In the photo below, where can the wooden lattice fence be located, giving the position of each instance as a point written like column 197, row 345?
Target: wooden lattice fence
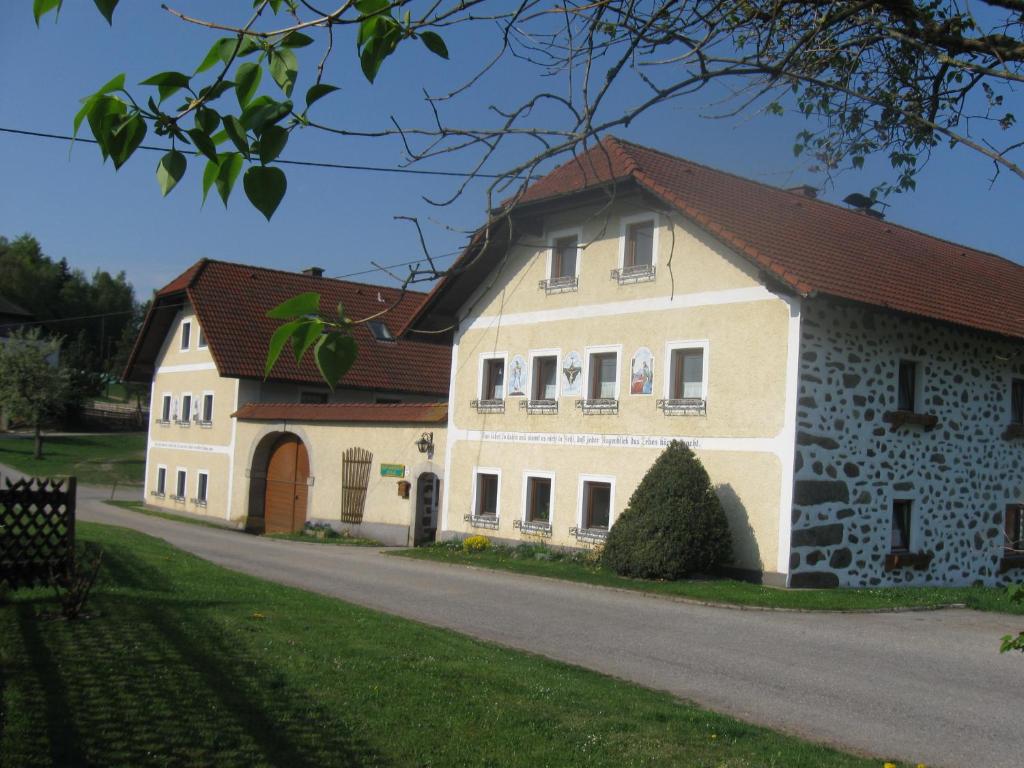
column 355, row 477
column 37, row 529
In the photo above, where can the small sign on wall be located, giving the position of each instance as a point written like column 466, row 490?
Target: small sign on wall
column 392, row 470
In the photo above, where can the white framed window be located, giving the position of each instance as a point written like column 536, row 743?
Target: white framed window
column 491, row 374
column 161, row 481
column 186, row 335
column 202, row 486
column 206, row 408
column 486, row 500
column 166, row 408
column 601, row 372
column 185, row 417
column 595, row 509
column 538, row 496
column 564, row 251
column 686, row 375
column 910, row 385
column 201, row 341
column 545, row 365
column 905, row 532
column 638, row 241
column 181, row 484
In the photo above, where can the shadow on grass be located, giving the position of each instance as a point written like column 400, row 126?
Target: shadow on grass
column 151, row 679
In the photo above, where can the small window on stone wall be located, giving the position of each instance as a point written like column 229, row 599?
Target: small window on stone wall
column 1014, row 545
column 1017, row 402
column 908, row 384
column 901, row 519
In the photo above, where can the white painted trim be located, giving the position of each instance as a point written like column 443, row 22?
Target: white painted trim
column 599, row 349
column 202, row 404
column 183, row 344
column 916, row 543
column 201, row 341
column 197, row 447
column 187, row 368
column 207, row 473
column 704, row 345
column 231, row 456
column 527, row 474
column 486, row 471
column 584, row 478
column 535, row 353
column 449, row 444
column 484, row 356
column 624, row 224
column 558, row 234
column 786, row 439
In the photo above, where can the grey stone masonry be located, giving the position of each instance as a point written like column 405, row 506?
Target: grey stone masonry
column 853, row 460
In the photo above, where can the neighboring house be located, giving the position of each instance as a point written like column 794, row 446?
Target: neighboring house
column 273, row 454
column 854, row 388
column 12, row 316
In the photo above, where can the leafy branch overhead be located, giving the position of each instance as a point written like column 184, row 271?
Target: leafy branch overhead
column 306, row 328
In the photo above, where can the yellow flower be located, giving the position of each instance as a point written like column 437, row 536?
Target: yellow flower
column 889, row 765
column 258, row 615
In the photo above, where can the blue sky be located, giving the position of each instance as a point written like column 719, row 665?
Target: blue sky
column 80, row 209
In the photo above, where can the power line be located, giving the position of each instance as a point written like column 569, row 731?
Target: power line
column 305, row 163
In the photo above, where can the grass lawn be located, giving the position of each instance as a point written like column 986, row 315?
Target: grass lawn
column 138, row 506
column 186, row 663
column 94, row 459
column 724, row 590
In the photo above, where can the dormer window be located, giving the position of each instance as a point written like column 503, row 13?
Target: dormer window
column 563, row 264
column 380, row 331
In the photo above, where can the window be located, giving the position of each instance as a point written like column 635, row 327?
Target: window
column 165, row 409
column 597, row 504
column 564, row 253
column 207, row 414
column 186, row 409
column 545, row 378
column 161, row 481
column 317, row 398
column 201, row 342
column 538, row 499
column 1017, row 402
column 380, row 331
column 202, row 483
column 1014, row 530
column 901, row 519
column 908, row 382
column 493, row 379
column 639, row 244
column 687, row 374
column 387, row 401
column 179, row 491
column 604, row 369
column 486, row 495
column 186, row 335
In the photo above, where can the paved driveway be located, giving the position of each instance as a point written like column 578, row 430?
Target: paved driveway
column 925, row 687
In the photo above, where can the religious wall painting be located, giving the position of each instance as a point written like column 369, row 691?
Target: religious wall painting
column 572, row 374
column 641, row 372
column 517, row 377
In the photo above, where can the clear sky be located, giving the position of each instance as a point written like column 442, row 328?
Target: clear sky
column 81, row 210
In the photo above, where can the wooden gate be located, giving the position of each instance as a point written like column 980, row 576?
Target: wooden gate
column 37, row 530
column 287, row 486
column 355, row 477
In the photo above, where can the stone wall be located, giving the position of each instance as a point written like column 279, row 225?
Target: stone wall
column 850, row 465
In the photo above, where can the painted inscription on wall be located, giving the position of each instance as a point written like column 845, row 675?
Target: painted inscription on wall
column 586, row 440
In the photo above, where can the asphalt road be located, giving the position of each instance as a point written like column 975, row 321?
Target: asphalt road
column 925, row 687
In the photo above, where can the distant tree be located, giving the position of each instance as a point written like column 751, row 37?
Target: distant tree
column 33, row 387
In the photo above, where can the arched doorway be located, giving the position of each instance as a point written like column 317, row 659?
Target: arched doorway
column 287, row 488
column 428, row 500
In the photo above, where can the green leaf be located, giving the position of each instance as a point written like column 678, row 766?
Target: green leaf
column 236, row 132
column 264, row 112
column 265, row 187
column 215, row 91
column 296, row 306
column 318, row 91
column 305, row 336
column 207, row 120
column 116, row 83
column 277, row 342
column 169, row 170
column 366, row 7
column 42, row 7
column 296, row 40
column 106, row 7
column 126, row 139
column 216, row 54
column 227, row 173
column 370, row 61
column 203, row 143
column 104, row 116
column 271, row 143
column 210, row 176
column 284, row 68
column 167, row 83
column 434, row 43
column 335, row 354
column 247, row 81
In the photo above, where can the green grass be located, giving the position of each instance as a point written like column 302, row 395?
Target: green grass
column 724, row 590
column 93, row 459
column 186, row 663
column 349, row 541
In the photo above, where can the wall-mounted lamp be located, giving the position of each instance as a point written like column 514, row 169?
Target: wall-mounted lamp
column 426, row 444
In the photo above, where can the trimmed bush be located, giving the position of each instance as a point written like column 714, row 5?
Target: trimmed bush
column 674, row 525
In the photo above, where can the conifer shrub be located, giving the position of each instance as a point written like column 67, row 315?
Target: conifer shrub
column 674, row 525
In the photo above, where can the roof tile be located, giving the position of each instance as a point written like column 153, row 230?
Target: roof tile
column 376, row 413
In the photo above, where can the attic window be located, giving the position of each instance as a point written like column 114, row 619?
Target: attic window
column 380, row 331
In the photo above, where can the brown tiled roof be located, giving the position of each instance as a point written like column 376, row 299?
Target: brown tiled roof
column 231, row 302
column 374, row 413
column 811, row 246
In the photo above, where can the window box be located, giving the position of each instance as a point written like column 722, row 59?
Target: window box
column 488, row 406
column 1013, row 432
column 184, row 423
column 599, row 405
column 900, row 418
column 199, row 502
column 539, row 406
column 205, row 424
column 158, row 494
column 565, row 284
column 178, row 498
column 638, row 273
column 482, row 521
column 592, row 535
column 683, row 406
column 919, row 561
column 534, row 527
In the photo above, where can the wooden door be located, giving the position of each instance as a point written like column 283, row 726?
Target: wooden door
column 287, row 488
column 428, row 499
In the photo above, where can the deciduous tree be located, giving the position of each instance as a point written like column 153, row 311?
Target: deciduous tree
column 33, row 387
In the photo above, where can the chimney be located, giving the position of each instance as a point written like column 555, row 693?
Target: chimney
column 805, row 190
column 313, row 271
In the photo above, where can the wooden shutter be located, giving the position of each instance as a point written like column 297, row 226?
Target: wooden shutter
column 355, row 477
